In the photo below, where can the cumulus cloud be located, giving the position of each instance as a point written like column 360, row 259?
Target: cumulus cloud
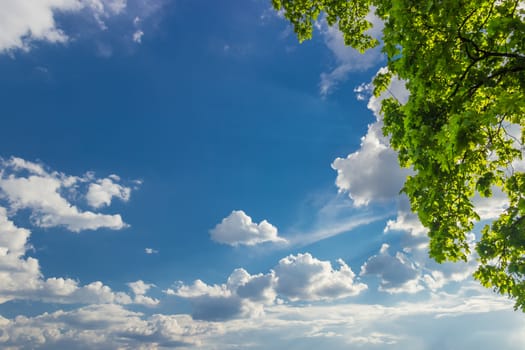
column 397, row 273
column 21, row 277
column 238, row 229
column 102, row 192
column 107, row 326
column 139, row 289
column 335, row 326
column 295, row 278
column 303, row 277
column 24, row 21
column 26, row 185
column 413, row 270
column 243, row 295
column 372, row 173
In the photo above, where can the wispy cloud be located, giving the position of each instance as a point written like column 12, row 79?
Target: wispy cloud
column 333, row 229
column 347, row 59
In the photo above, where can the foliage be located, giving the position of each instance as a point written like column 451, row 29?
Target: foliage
column 464, row 65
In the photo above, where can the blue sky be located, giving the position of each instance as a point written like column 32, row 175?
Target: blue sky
column 184, row 174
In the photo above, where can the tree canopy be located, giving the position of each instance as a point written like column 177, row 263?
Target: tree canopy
column 464, row 65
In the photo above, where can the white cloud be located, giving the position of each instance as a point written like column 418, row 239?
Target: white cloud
column 150, row 251
column 238, row 229
column 101, row 192
column 21, row 278
column 137, row 36
column 397, row 273
column 303, row 277
column 347, row 59
column 103, row 327
column 243, row 295
column 327, row 230
column 470, row 317
column 43, row 193
column 491, row 207
column 139, row 289
column 295, row 278
column 372, row 173
column 25, row 21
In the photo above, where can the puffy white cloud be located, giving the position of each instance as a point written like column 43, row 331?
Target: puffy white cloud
column 372, row 173
column 43, row 193
column 101, row 192
column 243, row 295
column 440, row 320
column 107, row 326
column 406, row 221
column 295, row 278
column 139, row 288
column 414, row 243
column 238, row 229
column 303, row 277
column 25, row 21
column 415, row 234
column 150, row 251
column 16, row 272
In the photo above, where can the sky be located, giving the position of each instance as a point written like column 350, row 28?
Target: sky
column 180, row 174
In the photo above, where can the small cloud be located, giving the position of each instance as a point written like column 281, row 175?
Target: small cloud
column 101, row 193
column 139, row 289
column 238, row 229
column 150, row 251
column 137, row 36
